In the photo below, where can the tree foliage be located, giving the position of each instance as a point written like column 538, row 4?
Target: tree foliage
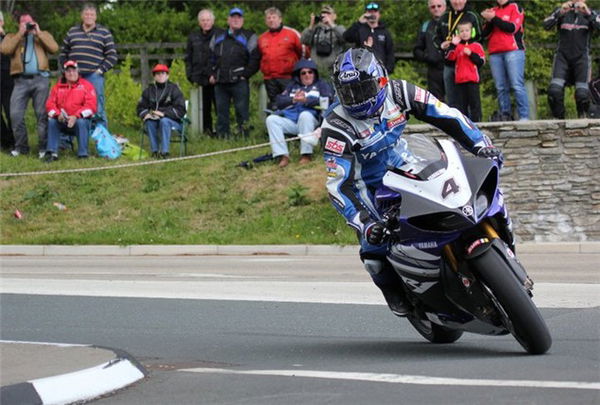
column 142, row 21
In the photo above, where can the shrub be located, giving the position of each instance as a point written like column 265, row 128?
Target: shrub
column 122, row 95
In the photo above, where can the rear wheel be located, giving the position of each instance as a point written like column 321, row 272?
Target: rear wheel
column 520, row 314
column 432, row 332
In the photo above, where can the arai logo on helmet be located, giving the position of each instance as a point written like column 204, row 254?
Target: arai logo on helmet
column 348, row 75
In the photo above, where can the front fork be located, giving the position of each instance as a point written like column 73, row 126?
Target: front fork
column 490, row 239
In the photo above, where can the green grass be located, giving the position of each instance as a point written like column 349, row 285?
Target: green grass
column 199, row 201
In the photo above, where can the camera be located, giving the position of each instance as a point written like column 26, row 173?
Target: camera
column 29, row 26
column 318, row 19
column 370, row 17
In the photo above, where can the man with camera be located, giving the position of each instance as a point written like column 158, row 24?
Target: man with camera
column 29, row 49
column 370, row 31
column 326, row 40
column 575, row 22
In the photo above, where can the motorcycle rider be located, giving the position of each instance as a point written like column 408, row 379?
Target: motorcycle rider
column 361, row 137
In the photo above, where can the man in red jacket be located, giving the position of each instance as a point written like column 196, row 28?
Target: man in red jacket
column 280, row 48
column 70, row 107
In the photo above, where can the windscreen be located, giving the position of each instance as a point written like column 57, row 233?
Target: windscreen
column 423, row 157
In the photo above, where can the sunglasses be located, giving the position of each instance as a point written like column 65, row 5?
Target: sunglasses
column 372, row 6
column 307, row 72
column 433, row 6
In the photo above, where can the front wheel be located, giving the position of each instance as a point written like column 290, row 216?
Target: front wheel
column 432, row 332
column 522, row 317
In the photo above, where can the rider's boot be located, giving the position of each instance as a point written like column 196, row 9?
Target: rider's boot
column 390, row 285
column 505, row 230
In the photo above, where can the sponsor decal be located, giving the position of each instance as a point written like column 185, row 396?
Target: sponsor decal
column 465, row 281
column 475, row 244
column 420, row 95
column 336, row 122
column 467, row 210
column 510, row 253
column 348, row 75
column 426, row 245
column 394, row 122
column 331, row 166
column 335, row 146
column 364, row 134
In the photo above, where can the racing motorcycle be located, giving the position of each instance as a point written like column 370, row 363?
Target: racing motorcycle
column 443, row 213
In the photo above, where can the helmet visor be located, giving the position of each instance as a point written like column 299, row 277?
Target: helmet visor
column 358, row 92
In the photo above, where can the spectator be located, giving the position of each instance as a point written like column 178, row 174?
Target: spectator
column 504, row 29
column 326, row 40
column 426, row 51
column 199, row 63
column 280, row 48
column 446, row 30
column 236, row 60
column 29, row 49
column 468, row 56
column 161, row 107
column 298, row 111
column 7, row 140
column 70, row 107
column 575, row 22
column 91, row 45
column 370, row 31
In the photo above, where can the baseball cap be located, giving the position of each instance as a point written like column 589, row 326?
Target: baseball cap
column 372, row 6
column 327, row 9
column 70, row 64
column 160, row 68
column 236, row 10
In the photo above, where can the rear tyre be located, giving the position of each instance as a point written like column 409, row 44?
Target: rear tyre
column 520, row 314
column 432, row 332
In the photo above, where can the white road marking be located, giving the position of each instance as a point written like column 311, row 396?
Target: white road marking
column 403, row 378
column 546, row 295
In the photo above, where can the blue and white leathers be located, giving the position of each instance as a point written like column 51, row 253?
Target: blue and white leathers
column 357, row 152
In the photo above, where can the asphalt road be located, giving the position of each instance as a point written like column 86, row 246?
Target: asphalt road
column 246, row 335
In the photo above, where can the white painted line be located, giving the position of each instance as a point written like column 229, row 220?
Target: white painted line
column 403, row 379
column 546, row 295
column 28, row 342
column 87, row 384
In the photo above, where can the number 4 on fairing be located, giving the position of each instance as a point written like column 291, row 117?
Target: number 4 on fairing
column 450, row 186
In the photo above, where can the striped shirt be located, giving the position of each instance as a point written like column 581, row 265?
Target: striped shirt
column 92, row 50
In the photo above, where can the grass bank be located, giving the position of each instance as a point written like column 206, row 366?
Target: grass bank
column 198, row 201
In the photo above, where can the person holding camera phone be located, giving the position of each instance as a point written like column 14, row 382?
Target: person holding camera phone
column 576, row 23
column 29, row 49
column 371, row 32
column 326, row 40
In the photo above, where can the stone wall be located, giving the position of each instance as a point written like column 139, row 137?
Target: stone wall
column 551, row 177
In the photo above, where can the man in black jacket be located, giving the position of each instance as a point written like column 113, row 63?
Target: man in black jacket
column 199, row 63
column 460, row 11
column 370, row 31
column 576, row 23
column 236, row 60
column 162, row 107
column 426, row 51
column 7, row 140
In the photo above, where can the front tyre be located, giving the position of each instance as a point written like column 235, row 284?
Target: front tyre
column 432, row 332
column 523, row 318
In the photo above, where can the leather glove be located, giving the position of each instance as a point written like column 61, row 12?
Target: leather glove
column 375, row 233
column 491, row 152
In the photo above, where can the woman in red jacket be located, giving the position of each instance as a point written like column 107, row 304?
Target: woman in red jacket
column 70, row 107
column 504, row 30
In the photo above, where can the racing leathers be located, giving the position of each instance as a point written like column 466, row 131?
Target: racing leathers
column 358, row 152
column 572, row 61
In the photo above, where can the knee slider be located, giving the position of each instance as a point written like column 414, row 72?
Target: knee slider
column 556, row 91
column 373, row 267
column 582, row 95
